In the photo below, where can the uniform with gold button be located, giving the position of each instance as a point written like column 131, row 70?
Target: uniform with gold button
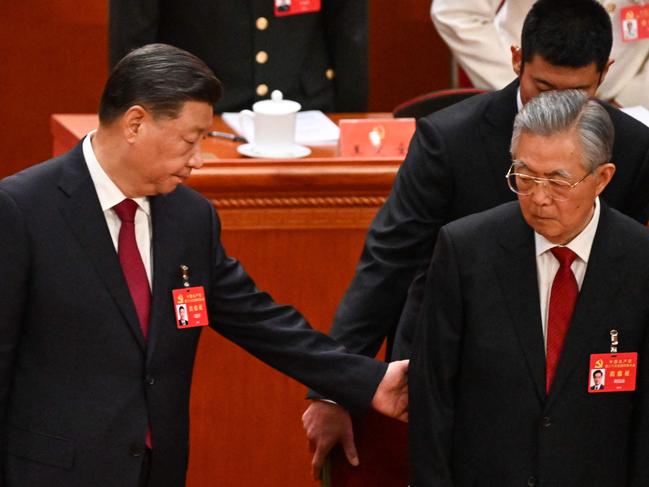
column 318, row 59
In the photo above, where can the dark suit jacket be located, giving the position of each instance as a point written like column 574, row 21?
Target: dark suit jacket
column 479, row 414
column 455, row 166
column 223, row 33
column 78, row 384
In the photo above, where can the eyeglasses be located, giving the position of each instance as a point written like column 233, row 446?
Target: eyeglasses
column 523, row 184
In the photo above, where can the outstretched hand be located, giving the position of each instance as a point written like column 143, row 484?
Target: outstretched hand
column 391, row 397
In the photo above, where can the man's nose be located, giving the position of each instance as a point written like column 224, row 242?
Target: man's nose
column 196, row 159
column 540, row 193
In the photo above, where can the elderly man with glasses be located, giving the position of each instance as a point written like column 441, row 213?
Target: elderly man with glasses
column 454, row 168
column 521, row 300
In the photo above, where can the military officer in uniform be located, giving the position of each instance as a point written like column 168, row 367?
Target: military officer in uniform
column 315, row 54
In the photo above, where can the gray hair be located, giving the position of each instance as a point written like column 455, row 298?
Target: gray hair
column 555, row 112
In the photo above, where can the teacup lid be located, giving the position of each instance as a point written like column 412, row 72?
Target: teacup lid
column 276, row 105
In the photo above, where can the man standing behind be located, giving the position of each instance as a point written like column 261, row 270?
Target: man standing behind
column 97, row 249
column 480, row 33
column 454, row 167
column 531, row 293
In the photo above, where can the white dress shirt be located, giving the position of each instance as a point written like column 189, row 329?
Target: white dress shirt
column 547, row 265
column 110, row 195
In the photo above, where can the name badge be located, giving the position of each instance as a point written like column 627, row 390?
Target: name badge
column 190, row 307
column 376, row 137
column 612, row 372
column 295, row 7
column 634, row 23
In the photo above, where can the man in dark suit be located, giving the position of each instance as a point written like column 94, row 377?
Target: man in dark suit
column 97, row 248
column 499, row 381
column 597, row 381
column 317, row 58
column 182, row 316
column 454, row 167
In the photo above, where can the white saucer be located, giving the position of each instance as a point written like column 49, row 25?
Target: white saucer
column 290, row 152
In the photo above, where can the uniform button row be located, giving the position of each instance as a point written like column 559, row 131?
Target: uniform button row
column 262, row 89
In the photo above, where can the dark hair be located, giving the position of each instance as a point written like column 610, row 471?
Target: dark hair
column 160, row 78
column 569, row 33
column 598, row 372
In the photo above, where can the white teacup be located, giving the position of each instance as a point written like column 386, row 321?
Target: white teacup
column 272, row 123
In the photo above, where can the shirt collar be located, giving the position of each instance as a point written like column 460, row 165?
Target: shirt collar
column 519, row 100
column 580, row 245
column 107, row 191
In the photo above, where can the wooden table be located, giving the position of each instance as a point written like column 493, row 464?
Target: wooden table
column 298, row 227
column 321, row 189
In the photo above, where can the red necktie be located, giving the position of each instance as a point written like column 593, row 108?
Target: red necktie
column 132, row 265
column 134, row 271
column 562, row 304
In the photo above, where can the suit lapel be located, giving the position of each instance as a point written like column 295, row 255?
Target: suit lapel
column 599, row 287
column 496, row 132
column 166, row 274
column 516, row 271
column 82, row 211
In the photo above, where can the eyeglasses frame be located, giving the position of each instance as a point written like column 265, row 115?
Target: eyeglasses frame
column 542, row 181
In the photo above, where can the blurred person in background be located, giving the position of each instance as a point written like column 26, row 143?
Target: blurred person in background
column 480, row 34
column 315, row 53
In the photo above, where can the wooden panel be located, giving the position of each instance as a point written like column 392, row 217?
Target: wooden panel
column 298, row 227
column 247, row 416
column 53, row 58
column 407, row 57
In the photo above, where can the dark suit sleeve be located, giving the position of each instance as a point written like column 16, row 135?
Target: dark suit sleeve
column 280, row 336
column 640, row 200
column 131, row 24
column 398, row 245
column 434, row 369
column 633, row 170
column 14, row 263
column 346, row 31
column 628, row 190
column 639, row 474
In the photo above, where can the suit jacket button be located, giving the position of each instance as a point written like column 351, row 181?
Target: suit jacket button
column 136, row 449
column 531, row 482
column 150, row 380
column 546, row 421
